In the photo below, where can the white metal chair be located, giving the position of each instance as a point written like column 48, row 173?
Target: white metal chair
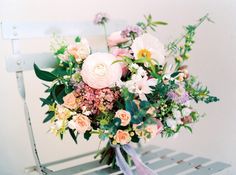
column 164, row 161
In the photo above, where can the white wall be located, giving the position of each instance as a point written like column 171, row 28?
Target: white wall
column 213, row 60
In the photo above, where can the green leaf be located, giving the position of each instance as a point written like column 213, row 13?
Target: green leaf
column 159, row 23
column 174, row 74
column 189, row 128
column 103, row 136
column 141, row 60
column 68, row 89
column 118, row 61
column 144, row 104
column 136, row 119
column 59, row 71
column 135, row 138
column 77, row 39
column 117, row 122
column 44, row 75
column 49, row 116
column 131, row 106
column 47, row 101
column 58, row 92
column 87, row 135
column 61, row 50
column 61, row 136
column 73, row 135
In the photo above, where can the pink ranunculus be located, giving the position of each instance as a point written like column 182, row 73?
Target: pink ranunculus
column 122, row 137
column 98, row 70
column 119, row 54
column 115, row 38
column 70, row 101
column 124, row 116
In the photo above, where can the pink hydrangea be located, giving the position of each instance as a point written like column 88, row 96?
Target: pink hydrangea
column 95, row 100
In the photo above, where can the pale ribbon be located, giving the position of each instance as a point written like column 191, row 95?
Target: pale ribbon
column 141, row 168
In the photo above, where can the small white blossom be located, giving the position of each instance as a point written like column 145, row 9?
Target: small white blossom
column 176, row 114
column 134, row 66
column 186, row 111
column 171, row 123
column 140, row 85
column 141, row 72
column 58, row 124
column 71, row 124
column 85, row 111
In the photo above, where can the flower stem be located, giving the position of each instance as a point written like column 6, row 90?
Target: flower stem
column 105, row 35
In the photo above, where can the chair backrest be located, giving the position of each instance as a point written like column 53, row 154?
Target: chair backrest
column 16, row 31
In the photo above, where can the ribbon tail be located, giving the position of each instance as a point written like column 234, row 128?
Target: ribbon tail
column 141, row 168
column 121, row 162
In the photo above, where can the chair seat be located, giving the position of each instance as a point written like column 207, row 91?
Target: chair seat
column 162, row 160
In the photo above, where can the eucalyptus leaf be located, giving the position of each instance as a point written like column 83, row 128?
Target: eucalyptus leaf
column 49, row 116
column 73, row 135
column 44, row 75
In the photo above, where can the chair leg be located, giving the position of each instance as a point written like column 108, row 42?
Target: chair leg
column 21, row 88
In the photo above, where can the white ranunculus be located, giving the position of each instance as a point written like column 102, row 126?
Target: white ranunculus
column 149, row 46
column 99, row 72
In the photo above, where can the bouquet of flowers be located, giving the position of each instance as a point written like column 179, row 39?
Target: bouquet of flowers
column 136, row 90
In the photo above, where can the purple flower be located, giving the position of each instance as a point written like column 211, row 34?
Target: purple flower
column 131, row 31
column 179, row 95
column 101, row 18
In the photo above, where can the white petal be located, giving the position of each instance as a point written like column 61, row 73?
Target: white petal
column 143, row 97
column 58, row 124
column 152, row 82
column 186, row 111
column 71, row 124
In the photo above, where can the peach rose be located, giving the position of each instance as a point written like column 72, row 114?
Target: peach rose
column 81, row 123
column 115, row 38
column 80, row 50
column 99, row 72
column 122, row 137
column 62, row 113
column 152, row 129
column 70, row 101
column 155, row 129
column 124, row 116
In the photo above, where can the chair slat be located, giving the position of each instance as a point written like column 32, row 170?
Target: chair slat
column 157, row 154
column 92, row 165
column 24, row 62
column 156, row 158
column 183, row 166
column 21, row 30
column 210, row 169
column 166, row 161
